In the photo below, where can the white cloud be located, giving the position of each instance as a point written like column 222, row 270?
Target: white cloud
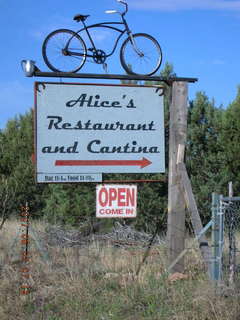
column 176, row 5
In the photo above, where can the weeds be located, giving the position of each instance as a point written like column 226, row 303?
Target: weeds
column 99, row 283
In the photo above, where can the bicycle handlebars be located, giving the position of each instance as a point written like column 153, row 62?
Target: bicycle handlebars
column 111, row 11
column 115, row 11
column 121, row 13
column 126, row 5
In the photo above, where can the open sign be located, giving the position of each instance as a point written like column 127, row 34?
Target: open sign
column 116, row 201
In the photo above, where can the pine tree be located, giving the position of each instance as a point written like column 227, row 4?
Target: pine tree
column 16, row 167
column 70, row 204
column 230, row 137
column 204, row 151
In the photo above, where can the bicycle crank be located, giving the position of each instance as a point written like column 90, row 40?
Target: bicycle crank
column 99, row 56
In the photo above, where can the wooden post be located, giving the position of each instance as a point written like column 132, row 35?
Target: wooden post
column 194, row 214
column 176, row 203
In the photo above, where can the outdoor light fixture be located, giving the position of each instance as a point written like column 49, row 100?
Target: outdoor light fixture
column 28, row 67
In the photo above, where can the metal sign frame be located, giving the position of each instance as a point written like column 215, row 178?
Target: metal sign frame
column 81, row 178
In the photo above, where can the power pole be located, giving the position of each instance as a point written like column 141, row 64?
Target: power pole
column 176, row 202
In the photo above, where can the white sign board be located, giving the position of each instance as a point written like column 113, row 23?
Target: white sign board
column 91, row 129
column 116, row 201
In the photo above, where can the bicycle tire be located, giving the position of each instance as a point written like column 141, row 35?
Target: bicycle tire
column 127, row 50
column 55, row 43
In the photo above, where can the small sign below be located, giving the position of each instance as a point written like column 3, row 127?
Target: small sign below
column 116, row 201
column 69, row 177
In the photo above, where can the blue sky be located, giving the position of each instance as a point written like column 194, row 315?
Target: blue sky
column 199, row 37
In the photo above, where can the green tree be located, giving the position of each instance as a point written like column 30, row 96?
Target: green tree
column 16, row 167
column 230, row 137
column 7, row 194
column 204, row 151
column 70, row 204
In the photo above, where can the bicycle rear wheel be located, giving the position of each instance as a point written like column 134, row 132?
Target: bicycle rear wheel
column 56, row 48
column 142, row 55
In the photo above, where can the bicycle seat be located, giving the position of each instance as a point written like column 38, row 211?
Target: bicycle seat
column 80, row 17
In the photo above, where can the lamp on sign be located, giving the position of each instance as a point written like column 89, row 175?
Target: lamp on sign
column 28, row 67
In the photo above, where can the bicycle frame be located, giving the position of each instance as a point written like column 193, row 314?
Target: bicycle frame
column 108, row 25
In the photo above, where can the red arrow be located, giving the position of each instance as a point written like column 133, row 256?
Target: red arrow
column 142, row 163
column 33, row 158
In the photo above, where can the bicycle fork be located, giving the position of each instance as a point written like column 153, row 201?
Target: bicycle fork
column 135, row 46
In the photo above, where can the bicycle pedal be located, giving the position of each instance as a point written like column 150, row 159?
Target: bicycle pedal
column 105, row 67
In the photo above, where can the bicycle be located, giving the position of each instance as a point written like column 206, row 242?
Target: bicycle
column 140, row 53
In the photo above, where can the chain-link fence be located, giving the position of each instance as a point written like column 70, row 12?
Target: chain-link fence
column 226, row 240
column 231, row 248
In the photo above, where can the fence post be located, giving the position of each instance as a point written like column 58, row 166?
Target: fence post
column 216, row 249
column 221, row 236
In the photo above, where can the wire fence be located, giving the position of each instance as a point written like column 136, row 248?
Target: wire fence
column 226, row 240
column 231, row 248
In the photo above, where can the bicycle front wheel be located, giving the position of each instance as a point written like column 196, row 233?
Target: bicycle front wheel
column 141, row 54
column 64, row 51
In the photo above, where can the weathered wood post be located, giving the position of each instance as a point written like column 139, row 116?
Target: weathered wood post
column 194, row 215
column 176, row 202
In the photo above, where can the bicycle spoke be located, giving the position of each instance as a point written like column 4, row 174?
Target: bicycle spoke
column 56, row 47
column 144, row 57
column 75, row 57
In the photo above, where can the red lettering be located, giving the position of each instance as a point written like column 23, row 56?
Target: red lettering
column 130, row 197
column 111, row 211
column 121, row 197
column 103, row 197
column 112, row 195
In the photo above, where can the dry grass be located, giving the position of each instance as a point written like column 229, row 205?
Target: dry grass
column 99, row 283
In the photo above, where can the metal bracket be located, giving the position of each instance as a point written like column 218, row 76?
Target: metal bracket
column 167, row 80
